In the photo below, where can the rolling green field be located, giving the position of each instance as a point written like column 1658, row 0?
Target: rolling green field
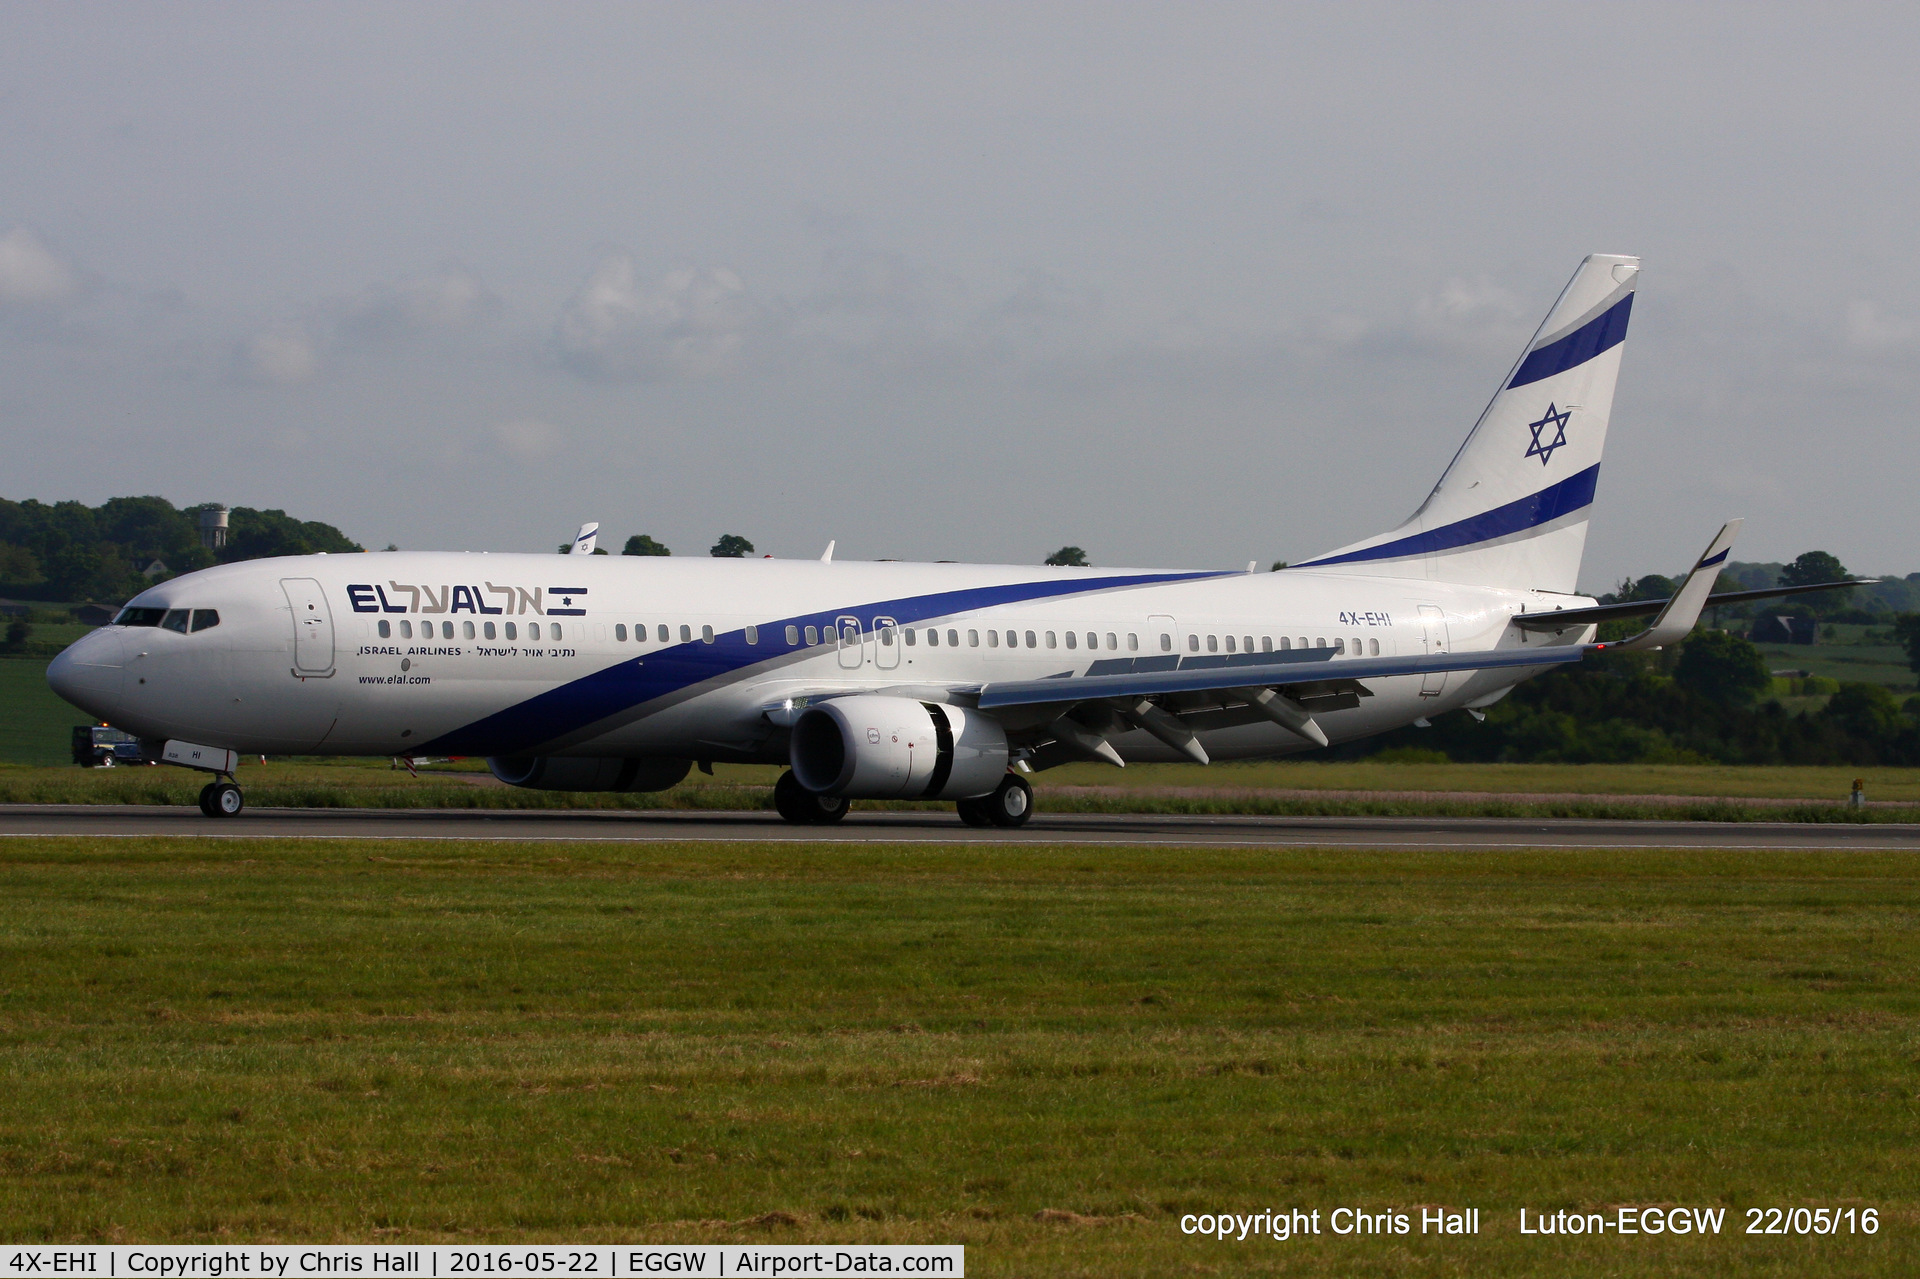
column 1048, row 1054
column 35, row 725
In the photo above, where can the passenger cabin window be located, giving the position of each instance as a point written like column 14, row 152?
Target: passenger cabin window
column 1053, row 641
column 793, row 635
column 446, row 630
column 1111, row 641
column 1166, row 642
column 1193, row 643
column 619, row 631
column 175, row 620
column 1303, row 642
column 1030, row 639
column 140, row 617
column 933, row 638
column 406, row 630
column 660, row 632
column 973, row 639
column 1319, row 641
column 513, row 632
column 205, row 619
column 686, row 633
column 1073, row 640
column 466, row 630
column 1373, row 648
column 1286, row 645
column 813, row 635
column 1339, row 645
column 953, row 639
column 1230, row 647
column 886, row 636
column 993, row 638
column 1266, row 643
column 533, row 630
column 386, row 629
column 753, row 635
column 1246, row 643
column 706, row 635
column 1213, row 643
column 911, row 637
column 1133, row 641
column 488, row 630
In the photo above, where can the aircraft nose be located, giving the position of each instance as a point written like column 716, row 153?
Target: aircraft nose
column 90, row 671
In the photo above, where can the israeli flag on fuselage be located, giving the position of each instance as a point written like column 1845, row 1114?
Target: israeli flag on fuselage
column 1511, row 509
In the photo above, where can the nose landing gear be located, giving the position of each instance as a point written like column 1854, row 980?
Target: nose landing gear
column 221, row 799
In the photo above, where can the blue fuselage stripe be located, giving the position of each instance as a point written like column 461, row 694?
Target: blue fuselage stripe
column 1550, row 503
column 628, row 684
column 1602, row 333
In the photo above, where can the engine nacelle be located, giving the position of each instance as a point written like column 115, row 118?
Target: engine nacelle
column 875, row 747
column 560, row 772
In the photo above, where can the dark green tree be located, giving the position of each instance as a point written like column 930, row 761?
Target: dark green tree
column 1068, row 557
column 1866, row 712
column 1906, row 632
column 1818, row 566
column 1722, row 667
column 18, row 632
column 254, row 535
column 731, row 546
column 643, row 544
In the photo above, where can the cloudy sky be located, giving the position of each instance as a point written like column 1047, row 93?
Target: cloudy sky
column 1181, row 284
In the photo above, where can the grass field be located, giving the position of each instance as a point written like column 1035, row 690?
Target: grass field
column 1630, row 792
column 35, row 725
column 1049, row 1055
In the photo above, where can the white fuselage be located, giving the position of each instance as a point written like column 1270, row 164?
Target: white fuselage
column 405, row 653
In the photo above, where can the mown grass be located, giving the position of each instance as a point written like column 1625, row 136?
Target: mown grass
column 350, row 1040
column 1336, row 790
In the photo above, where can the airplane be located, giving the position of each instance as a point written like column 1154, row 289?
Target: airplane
column 892, row 680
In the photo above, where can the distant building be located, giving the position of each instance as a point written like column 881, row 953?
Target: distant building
column 91, row 614
column 157, row 569
column 213, row 526
column 1776, row 629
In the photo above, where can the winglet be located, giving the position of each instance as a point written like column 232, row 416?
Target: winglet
column 583, row 540
column 1683, row 610
column 826, row 556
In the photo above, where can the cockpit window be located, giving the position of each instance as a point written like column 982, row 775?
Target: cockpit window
column 140, row 617
column 175, row 620
column 205, row 619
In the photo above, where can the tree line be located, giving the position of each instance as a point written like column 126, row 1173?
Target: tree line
column 69, row 551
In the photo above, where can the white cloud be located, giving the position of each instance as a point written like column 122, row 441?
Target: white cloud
column 30, row 272
column 527, row 438
column 686, row 324
column 284, row 354
column 1871, row 327
column 1469, row 304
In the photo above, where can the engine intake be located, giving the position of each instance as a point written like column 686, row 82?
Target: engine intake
column 560, row 772
column 876, row 747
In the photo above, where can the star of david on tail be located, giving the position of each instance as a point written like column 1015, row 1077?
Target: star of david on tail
column 1543, row 449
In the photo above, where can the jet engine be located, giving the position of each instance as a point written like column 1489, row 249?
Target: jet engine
column 876, row 747
column 560, row 772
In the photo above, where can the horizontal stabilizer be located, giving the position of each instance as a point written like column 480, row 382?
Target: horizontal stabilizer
column 1676, row 620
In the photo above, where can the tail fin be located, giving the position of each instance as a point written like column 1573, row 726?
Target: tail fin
column 1511, row 509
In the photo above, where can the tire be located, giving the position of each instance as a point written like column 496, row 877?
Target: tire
column 1011, row 804
column 974, row 811
column 206, row 800
column 224, row 800
column 804, row 808
column 790, row 800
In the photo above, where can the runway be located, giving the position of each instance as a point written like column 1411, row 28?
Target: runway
column 145, row 821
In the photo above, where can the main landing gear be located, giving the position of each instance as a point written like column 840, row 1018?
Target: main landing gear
column 804, row 808
column 222, row 799
column 1011, row 804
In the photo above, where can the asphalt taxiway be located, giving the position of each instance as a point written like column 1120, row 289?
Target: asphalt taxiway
column 146, row 821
